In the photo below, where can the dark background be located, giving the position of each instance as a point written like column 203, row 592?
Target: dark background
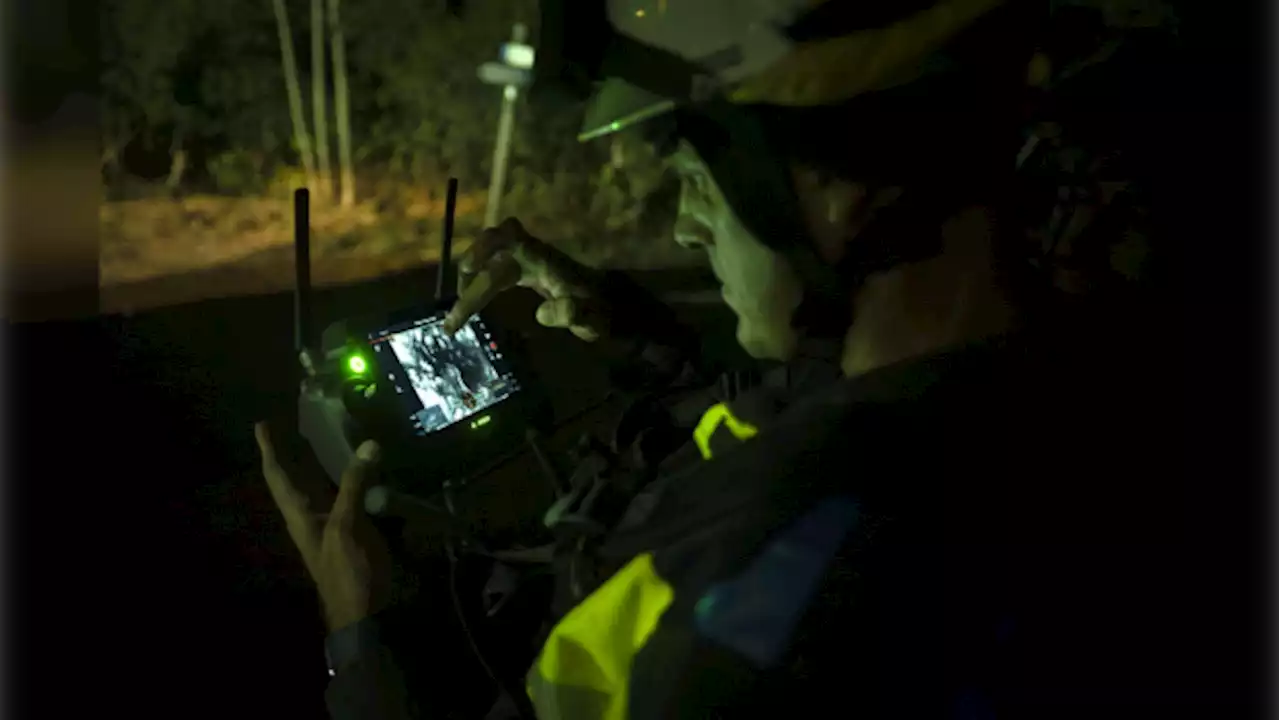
column 159, row 560
column 149, row 575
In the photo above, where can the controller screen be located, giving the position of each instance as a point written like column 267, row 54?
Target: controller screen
column 444, row 380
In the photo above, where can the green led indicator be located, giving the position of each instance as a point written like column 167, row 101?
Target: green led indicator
column 480, row 421
column 357, row 364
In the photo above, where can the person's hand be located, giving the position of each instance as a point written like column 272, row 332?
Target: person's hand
column 507, row 256
column 343, row 552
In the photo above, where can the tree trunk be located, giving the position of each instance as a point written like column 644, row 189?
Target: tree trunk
column 177, row 162
column 319, row 106
column 294, row 92
column 342, row 107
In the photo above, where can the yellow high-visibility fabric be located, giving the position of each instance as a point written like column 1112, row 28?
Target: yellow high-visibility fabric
column 712, row 419
column 592, row 647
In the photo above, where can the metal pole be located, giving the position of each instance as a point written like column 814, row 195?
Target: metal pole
column 502, row 147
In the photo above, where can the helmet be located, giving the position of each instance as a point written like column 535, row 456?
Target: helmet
column 754, row 85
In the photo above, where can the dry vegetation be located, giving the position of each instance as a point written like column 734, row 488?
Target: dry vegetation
column 199, row 158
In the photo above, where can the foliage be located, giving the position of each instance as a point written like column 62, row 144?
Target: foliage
column 239, row 169
column 209, row 75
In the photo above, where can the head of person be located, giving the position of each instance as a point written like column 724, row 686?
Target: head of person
column 842, row 167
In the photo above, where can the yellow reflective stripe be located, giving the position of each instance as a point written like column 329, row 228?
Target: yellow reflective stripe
column 715, row 416
column 592, row 646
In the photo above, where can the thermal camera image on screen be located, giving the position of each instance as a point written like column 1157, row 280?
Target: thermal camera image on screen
column 452, row 377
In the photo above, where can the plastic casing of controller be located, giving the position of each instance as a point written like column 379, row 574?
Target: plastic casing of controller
column 335, row 422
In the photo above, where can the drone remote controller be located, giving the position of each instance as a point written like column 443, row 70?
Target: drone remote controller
column 440, row 406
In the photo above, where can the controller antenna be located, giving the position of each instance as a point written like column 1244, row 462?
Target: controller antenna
column 303, row 330
column 446, row 241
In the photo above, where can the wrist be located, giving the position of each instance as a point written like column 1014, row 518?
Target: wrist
column 346, row 644
column 635, row 315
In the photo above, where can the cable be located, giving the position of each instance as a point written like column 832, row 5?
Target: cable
column 462, row 618
column 520, row 702
column 502, row 460
column 518, row 699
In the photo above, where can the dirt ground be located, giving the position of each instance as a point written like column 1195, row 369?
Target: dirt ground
column 151, row 247
column 153, row 238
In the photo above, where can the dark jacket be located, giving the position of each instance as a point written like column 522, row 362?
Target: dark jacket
column 929, row 539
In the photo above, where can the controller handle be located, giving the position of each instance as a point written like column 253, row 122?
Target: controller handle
column 325, row 423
